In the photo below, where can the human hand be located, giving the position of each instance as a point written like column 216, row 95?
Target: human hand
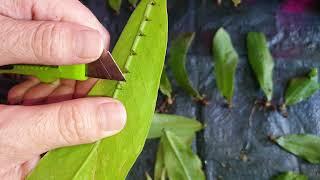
column 50, row 32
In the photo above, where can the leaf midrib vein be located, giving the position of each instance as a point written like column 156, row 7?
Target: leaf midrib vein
column 95, row 146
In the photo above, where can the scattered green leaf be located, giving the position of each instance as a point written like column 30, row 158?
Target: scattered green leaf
column 165, row 86
column 143, row 57
column 133, row 2
column 115, row 5
column 180, row 161
column 261, row 61
column 177, row 60
column 290, row 176
column 148, row 177
column 226, row 60
column 303, row 145
column 159, row 168
column 236, row 2
column 302, row 88
column 180, row 125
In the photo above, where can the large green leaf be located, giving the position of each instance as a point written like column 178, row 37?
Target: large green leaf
column 115, row 5
column 226, row 61
column 302, row 88
column 165, row 85
column 305, row 146
column 140, row 53
column 180, row 125
column 290, row 176
column 177, row 60
column 180, row 161
column 261, row 61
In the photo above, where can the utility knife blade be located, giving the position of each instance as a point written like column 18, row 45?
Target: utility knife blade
column 105, row 68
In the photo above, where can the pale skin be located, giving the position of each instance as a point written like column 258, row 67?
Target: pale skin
column 42, row 117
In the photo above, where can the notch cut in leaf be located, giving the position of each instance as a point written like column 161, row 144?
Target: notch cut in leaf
column 305, row 146
column 112, row 158
column 301, row 88
column 226, row 61
column 177, row 59
column 261, row 61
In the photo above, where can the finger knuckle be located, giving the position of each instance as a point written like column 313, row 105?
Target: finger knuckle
column 48, row 40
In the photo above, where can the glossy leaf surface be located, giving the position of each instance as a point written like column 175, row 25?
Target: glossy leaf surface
column 180, row 125
column 261, row 61
column 180, row 161
column 226, row 60
column 303, row 145
column 177, row 59
column 141, row 57
column 290, row 176
column 115, row 5
column 301, row 88
column 165, row 85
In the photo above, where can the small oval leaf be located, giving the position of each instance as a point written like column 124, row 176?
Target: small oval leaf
column 180, row 161
column 133, row 2
column 305, row 146
column 115, row 5
column 180, row 125
column 290, row 176
column 148, row 177
column 226, row 61
column 177, row 60
column 261, row 61
column 236, row 2
column 301, row 88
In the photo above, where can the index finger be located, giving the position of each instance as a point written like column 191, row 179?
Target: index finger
column 72, row 11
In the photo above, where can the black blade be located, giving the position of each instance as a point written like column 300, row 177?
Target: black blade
column 105, row 68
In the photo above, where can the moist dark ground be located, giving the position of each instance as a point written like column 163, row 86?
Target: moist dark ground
column 294, row 39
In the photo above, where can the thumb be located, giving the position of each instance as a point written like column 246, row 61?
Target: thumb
column 48, row 42
column 27, row 131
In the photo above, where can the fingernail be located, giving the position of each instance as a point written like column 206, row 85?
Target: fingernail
column 88, row 44
column 112, row 116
